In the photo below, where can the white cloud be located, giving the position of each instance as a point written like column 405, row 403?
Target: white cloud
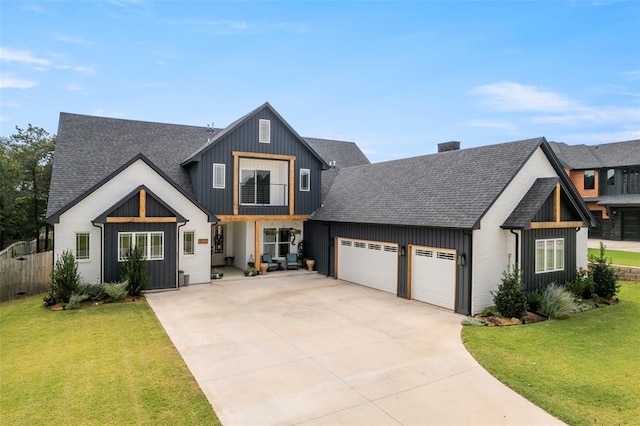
column 73, row 87
column 510, row 96
column 66, row 38
column 631, row 75
column 24, row 56
column 77, row 68
column 601, row 137
column 599, row 115
column 7, row 81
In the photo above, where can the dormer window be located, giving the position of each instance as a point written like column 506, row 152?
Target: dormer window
column 264, row 131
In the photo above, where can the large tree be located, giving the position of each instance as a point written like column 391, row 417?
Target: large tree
column 26, row 158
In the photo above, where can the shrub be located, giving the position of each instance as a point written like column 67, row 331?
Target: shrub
column 583, row 307
column 534, row 301
column 490, row 311
column 582, row 286
column 94, row 292
column 75, row 300
column 250, row 272
column 557, row 302
column 605, row 278
column 116, row 291
column 135, row 272
column 64, row 279
column 216, row 273
column 510, row 299
column 473, row 321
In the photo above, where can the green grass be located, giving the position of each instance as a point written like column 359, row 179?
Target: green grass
column 583, row 370
column 625, row 258
column 107, row 364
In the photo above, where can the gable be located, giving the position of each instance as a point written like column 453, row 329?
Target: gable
column 244, row 135
column 141, row 205
column 547, row 204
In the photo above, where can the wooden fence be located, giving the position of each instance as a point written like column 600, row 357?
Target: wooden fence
column 25, row 277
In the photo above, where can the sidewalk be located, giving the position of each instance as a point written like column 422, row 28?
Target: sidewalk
column 616, row 245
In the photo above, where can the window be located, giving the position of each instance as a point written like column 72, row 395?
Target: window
column 305, row 183
column 151, row 244
column 264, row 135
column 589, row 179
column 549, row 255
column 611, row 177
column 218, row 176
column 82, row 246
column 188, row 243
column 255, row 187
column 276, row 242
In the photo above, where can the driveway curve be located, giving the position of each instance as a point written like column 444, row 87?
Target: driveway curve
column 303, row 349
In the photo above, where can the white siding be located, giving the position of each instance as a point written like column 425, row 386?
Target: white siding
column 79, row 217
column 581, row 248
column 493, row 247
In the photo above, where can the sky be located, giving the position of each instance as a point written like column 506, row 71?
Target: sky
column 396, row 77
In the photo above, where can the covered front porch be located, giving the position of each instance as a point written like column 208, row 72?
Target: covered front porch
column 240, row 242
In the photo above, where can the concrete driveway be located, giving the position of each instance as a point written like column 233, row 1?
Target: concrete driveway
column 305, row 349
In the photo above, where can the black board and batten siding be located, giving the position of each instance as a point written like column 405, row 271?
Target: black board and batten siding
column 163, row 272
column 532, row 280
column 245, row 139
column 319, row 245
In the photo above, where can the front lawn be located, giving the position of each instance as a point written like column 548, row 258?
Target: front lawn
column 624, row 258
column 583, row 370
column 107, row 364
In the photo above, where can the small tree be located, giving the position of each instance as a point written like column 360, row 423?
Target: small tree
column 605, row 278
column 65, row 279
column 511, row 299
column 135, row 272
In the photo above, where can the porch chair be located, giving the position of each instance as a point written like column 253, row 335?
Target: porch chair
column 292, row 261
column 266, row 258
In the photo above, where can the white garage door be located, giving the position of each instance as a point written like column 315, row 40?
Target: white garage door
column 369, row 263
column 433, row 276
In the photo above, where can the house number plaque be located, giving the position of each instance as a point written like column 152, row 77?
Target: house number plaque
column 203, row 241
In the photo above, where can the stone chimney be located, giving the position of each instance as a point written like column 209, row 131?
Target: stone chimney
column 448, row 146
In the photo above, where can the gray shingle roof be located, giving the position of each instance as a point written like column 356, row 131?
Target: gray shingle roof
column 451, row 189
column 620, row 200
column 345, row 154
column 530, row 204
column 616, row 154
column 89, row 149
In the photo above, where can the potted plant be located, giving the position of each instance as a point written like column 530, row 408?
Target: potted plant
column 216, row 274
column 250, row 272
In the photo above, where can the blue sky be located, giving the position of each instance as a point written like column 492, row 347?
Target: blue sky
column 395, row 77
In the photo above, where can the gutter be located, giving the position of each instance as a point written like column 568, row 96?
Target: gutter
column 517, row 262
column 100, row 280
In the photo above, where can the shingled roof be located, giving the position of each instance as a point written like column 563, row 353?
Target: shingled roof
column 533, row 200
column 89, row 149
column 451, row 189
column 338, row 154
column 580, row 157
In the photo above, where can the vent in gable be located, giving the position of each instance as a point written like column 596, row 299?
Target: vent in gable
column 264, row 131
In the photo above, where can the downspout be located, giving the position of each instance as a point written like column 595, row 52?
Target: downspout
column 517, row 263
column 101, row 251
column 469, row 234
column 328, row 249
column 178, row 252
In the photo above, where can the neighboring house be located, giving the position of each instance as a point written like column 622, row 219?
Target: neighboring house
column 442, row 228
column 439, row 228
column 608, row 178
column 190, row 197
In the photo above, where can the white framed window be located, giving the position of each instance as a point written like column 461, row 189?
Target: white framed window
column 189, row 243
column 264, row 132
column 305, row 179
column 151, row 244
column 276, row 241
column 82, row 246
column 549, row 255
column 219, row 175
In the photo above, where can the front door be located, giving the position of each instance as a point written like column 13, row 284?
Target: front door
column 218, row 245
